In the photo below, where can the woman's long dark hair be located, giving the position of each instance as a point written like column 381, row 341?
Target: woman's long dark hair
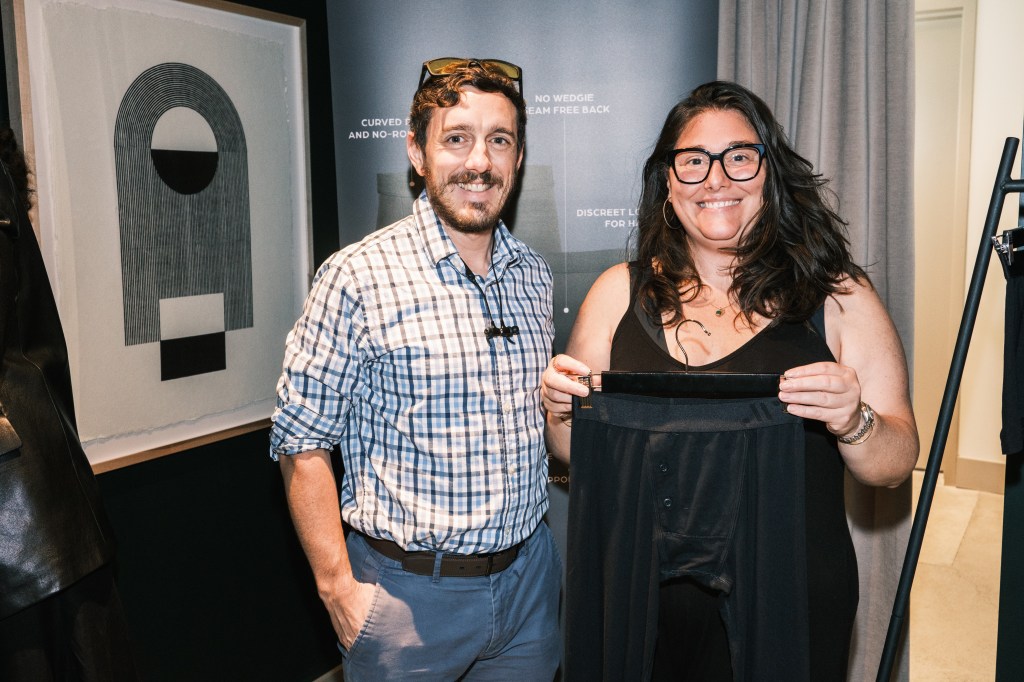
column 794, row 254
column 13, row 158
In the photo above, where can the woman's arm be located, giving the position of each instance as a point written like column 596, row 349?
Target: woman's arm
column 871, row 368
column 588, row 350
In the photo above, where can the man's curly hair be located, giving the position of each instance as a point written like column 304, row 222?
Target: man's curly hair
column 443, row 91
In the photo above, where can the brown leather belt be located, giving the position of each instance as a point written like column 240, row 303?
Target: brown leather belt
column 452, row 565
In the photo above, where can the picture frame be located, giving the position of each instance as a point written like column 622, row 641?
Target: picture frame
column 182, row 151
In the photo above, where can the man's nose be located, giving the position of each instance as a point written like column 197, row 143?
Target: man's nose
column 479, row 158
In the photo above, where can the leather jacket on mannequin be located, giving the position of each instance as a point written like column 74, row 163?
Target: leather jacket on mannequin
column 53, row 530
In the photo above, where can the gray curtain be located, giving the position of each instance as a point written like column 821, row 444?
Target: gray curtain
column 839, row 77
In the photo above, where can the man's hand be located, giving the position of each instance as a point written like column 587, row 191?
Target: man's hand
column 348, row 604
column 313, row 502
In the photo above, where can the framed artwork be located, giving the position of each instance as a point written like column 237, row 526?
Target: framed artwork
column 171, row 144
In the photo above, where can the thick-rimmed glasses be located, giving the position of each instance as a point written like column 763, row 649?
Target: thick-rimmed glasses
column 692, row 165
column 442, row 66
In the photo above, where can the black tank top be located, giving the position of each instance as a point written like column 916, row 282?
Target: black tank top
column 639, row 345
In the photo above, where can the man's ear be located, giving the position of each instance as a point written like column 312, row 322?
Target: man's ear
column 415, row 153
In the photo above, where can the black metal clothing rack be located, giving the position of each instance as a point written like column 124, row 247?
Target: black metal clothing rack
column 1010, row 247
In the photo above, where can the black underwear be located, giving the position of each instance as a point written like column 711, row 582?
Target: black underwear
column 708, row 490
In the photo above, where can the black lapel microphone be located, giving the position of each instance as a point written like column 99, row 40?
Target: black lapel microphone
column 503, row 331
column 492, row 330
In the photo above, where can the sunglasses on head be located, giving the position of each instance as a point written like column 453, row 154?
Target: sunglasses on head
column 443, row 66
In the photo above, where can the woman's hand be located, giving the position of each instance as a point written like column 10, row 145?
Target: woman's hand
column 825, row 391
column 558, row 385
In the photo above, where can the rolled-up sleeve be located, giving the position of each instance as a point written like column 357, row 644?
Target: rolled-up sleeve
column 321, row 367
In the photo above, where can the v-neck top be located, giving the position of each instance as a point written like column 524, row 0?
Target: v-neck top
column 639, row 345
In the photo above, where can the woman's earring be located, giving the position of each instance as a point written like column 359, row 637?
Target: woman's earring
column 664, row 214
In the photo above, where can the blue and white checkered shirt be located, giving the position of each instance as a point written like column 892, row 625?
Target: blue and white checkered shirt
column 440, row 428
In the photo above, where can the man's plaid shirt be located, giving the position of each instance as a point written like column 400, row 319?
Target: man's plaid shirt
column 440, row 428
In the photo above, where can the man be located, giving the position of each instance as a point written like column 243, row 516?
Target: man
column 419, row 354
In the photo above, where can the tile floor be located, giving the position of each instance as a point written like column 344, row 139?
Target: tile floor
column 955, row 597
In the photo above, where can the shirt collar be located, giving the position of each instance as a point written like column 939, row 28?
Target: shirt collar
column 439, row 246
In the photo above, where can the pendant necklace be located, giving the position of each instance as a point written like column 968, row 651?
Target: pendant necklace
column 720, row 310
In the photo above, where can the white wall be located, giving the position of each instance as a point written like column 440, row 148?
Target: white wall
column 998, row 114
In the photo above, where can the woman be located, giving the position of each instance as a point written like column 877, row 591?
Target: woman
column 60, row 614
column 742, row 266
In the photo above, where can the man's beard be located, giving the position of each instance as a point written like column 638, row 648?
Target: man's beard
column 481, row 218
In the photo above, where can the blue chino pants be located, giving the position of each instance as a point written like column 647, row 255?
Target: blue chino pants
column 498, row 627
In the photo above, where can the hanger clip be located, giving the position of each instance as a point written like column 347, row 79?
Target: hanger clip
column 1009, row 245
column 585, row 400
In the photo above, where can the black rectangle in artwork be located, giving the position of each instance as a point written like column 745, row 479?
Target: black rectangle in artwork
column 192, row 355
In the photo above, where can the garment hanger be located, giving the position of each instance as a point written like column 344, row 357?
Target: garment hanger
column 1010, row 243
column 683, row 384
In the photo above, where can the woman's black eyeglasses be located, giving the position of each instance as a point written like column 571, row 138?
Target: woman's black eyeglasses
column 740, row 162
column 442, row 66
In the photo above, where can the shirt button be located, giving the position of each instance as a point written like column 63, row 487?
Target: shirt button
column 667, row 502
column 663, row 468
column 506, row 408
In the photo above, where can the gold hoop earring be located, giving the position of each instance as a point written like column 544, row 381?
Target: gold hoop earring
column 664, row 214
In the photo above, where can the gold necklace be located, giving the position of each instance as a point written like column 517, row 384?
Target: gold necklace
column 720, row 310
